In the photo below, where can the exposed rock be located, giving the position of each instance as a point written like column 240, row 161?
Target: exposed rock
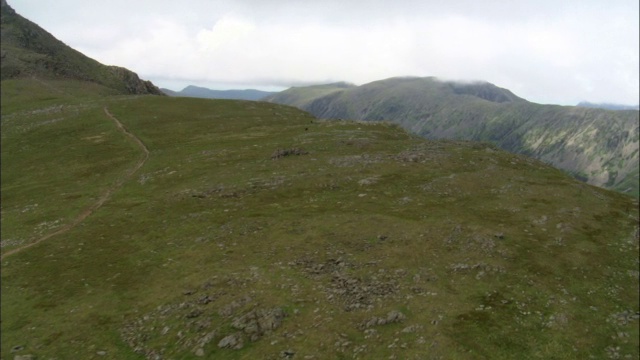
column 24, row 357
column 368, row 181
column 206, row 339
column 133, row 84
column 412, row 328
column 256, row 323
column 233, row 341
column 230, row 308
column 392, row 317
column 287, row 152
column 194, row 314
column 203, row 324
column 205, row 299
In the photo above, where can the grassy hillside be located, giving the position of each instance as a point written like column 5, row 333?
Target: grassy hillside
column 254, row 230
column 598, row 146
column 301, row 96
column 28, row 51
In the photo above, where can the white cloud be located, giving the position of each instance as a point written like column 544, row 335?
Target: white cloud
column 545, row 51
column 227, row 30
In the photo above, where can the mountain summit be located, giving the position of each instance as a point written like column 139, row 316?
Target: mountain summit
column 30, row 51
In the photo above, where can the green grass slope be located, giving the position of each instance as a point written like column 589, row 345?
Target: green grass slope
column 597, row 146
column 364, row 242
column 28, row 51
column 301, row 96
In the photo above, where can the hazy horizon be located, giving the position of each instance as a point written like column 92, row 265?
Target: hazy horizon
column 545, row 51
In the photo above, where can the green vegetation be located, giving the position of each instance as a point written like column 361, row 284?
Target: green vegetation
column 303, row 96
column 600, row 143
column 371, row 243
column 149, row 227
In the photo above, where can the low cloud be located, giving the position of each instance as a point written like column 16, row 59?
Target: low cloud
column 545, row 52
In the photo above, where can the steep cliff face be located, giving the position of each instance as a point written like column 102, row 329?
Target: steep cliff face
column 27, row 50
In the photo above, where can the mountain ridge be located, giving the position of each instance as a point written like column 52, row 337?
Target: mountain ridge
column 27, row 50
column 595, row 145
column 206, row 93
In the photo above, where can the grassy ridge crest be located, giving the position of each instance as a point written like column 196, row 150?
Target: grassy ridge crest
column 595, row 145
column 362, row 241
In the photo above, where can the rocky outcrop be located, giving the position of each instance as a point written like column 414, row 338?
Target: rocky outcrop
column 133, row 84
column 29, row 51
column 280, row 153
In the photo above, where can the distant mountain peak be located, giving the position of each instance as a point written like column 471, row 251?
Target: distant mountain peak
column 607, row 106
column 484, row 90
column 205, row 93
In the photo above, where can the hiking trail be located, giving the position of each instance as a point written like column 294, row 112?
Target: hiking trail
column 103, row 198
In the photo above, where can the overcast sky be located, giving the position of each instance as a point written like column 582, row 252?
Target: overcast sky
column 547, row 51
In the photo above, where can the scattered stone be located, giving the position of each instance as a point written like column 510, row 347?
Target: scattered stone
column 287, row 354
column 411, row 329
column 368, row 181
column 17, row 348
column 233, row 341
column 203, row 324
column 229, row 309
column 189, row 292
column 206, row 339
column 24, row 357
column 101, row 353
column 392, row 317
column 280, row 153
column 499, row 235
column 205, row 299
column 194, row 314
column 395, row 316
column 199, row 352
column 256, row 323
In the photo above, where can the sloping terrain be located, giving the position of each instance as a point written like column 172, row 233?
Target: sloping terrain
column 595, row 145
column 27, row 50
column 204, row 93
column 148, row 227
column 254, row 230
column 301, row 97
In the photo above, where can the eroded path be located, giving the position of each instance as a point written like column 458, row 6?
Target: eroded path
column 103, row 198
